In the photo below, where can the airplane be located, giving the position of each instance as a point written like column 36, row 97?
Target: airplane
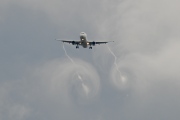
column 83, row 41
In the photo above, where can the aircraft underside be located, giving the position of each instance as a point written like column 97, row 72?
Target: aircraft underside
column 84, row 45
column 84, row 42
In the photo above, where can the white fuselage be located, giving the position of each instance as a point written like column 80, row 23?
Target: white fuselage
column 83, row 39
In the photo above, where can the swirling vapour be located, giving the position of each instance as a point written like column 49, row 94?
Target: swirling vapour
column 79, row 81
column 136, row 78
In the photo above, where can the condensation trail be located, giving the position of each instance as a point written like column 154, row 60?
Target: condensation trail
column 79, row 77
column 120, row 83
column 68, row 55
column 71, row 61
column 115, row 59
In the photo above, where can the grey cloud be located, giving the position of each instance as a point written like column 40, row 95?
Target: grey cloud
column 44, row 87
column 54, row 85
column 146, row 45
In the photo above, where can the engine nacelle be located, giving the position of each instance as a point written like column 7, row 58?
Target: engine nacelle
column 93, row 43
column 73, row 42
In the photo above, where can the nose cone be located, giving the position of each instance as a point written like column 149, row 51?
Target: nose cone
column 83, row 35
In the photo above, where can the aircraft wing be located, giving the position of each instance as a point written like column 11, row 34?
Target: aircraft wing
column 93, row 43
column 69, row 41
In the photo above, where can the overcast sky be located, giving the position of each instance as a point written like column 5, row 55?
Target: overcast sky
column 135, row 78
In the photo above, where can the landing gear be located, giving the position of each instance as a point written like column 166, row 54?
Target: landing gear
column 90, row 47
column 77, row 47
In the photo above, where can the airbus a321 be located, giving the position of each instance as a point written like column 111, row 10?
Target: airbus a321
column 83, row 41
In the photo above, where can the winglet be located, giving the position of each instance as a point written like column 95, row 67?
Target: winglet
column 110, row 41
column 59, row 40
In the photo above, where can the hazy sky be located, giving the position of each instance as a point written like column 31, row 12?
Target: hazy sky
column 139, row 79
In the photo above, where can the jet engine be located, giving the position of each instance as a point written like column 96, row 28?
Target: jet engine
column 93, row 43
column 73, row 42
